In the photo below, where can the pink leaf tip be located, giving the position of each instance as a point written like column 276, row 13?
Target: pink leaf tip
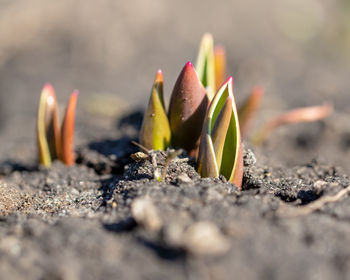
column 229, row 80
column 189, row 64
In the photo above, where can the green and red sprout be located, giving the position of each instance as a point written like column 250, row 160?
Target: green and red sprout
column 197, row 114
column 55, row 142
column 155, row 130
column 187, row 108
column 220, row 151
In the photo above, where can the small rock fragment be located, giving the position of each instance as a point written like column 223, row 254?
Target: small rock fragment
column 139, row 156
column 183, row 179
column 145, row 213
column 319, row 184
column 205, row 238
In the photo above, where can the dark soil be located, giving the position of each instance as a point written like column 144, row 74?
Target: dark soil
column 107, row 217
column 78, row 223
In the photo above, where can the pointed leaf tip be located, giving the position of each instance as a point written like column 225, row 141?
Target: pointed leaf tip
column 189, row 64
column 208, row 37
column 48, row 87
column 229, row 80
column 159, row 77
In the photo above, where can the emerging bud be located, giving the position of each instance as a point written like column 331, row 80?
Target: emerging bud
column 220, row 66
column 155, row 131
column 48, row 130
column 68, row 156
column 205, row 65
column 220, row 151
column 188, row 104
column 249, row 108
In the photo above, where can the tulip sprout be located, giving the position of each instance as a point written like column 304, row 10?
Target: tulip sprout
column 155, row 130
column 54, row 143
column 208, row 125
column 220, row 151
column 187, row 108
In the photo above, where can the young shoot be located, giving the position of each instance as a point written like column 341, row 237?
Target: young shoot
column 220, row 151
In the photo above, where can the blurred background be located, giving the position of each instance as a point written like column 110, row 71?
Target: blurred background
column 110, row 50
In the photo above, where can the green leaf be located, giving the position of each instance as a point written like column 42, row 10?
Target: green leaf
column 155, row 131
column 220, row 129
column 205, row 65
column 206, row 163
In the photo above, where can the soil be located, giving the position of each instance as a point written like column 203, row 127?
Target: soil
column 108, row 217
column 78, row 223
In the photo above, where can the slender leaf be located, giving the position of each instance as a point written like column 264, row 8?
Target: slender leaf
column 205, row 64
column 48, row 131
column 249, row 108
column 300, row 115
column 220, row 66
column 206, row 163
column 68, row 156
column 220, row 129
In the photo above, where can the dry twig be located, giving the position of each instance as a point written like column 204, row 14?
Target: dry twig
column 313, row 206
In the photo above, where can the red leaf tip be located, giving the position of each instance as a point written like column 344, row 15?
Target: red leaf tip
column 75, row 92
column 189, row 64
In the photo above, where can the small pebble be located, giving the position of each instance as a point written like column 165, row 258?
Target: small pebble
column 205, row 238
column 183, row 179
column 145, row 213
column 139, row 156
